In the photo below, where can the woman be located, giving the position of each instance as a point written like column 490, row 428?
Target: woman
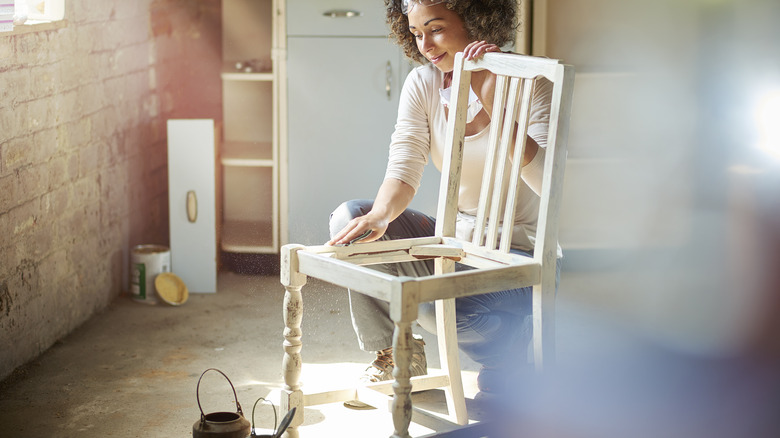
column 493, row 329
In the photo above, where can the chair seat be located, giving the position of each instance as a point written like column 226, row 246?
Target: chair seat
column 339, row 267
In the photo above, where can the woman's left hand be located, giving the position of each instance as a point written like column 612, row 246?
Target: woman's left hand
column 482, row 82
column 478, row 48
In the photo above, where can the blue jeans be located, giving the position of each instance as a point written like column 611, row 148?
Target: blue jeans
column 493, row 329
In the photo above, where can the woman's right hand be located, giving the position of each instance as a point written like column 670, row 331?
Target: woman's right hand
column 392, row 199
column 359, row 226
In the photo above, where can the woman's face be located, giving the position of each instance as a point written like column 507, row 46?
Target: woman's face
column 440, row 34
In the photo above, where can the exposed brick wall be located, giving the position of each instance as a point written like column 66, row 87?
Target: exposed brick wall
column 83, row 159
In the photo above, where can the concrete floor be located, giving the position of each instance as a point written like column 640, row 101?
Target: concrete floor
column 132, row 370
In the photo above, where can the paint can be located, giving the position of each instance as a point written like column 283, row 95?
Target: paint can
column 146, row 261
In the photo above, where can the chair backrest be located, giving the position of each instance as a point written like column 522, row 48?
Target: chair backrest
column 515, row 78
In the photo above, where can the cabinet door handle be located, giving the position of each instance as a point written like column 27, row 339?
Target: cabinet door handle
column 388, row 79
column 342, row 13
column 192, row 206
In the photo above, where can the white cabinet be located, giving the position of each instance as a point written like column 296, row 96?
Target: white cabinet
column 193, row 202
column 250, row 146
column 344, row 78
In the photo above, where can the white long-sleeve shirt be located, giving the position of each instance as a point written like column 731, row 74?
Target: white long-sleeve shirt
column 420, row 132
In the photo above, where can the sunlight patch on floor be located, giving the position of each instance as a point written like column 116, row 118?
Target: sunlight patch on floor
column 334, row 419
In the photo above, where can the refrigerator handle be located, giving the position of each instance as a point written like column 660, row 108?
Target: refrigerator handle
column 342, row 13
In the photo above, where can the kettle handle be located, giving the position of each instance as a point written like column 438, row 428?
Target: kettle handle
column 197, row 393
column 253, row 414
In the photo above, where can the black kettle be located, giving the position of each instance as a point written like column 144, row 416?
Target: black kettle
column 220, row 424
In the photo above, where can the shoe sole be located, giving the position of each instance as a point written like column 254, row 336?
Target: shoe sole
column 357, row 405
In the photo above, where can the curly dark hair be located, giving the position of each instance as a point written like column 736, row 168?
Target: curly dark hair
column 493, row 21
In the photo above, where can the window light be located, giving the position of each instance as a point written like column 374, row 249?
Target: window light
column 768, row 123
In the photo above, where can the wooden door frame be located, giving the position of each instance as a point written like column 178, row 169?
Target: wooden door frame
column 531, row 35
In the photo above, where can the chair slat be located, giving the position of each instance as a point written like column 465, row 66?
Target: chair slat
column 486, row 190
column 517, row 164
column 501, row 173
column 452, row 161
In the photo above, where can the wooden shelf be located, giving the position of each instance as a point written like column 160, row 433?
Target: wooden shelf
column 247, row 154
column 229, row 73
column 247, row 237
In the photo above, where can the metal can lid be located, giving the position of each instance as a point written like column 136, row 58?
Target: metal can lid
column 171, row 288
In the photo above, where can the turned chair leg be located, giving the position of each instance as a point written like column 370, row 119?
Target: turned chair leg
column 291, row 394
column 402, row 401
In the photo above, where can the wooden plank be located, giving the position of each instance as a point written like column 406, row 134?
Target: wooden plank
column 511, row 64
column 517, row 164
column 432, row 380
column 489, row 254
column 379, row 400
column 486, row 190
column 554, row 165
column 448, row 251
column 501, row 172
column 543, row 299
column 247, row 153
column 431, row 420
column 419, row 416
column 452, row 159
column 334, row 396
column 447, row 336
column 372, row 392
column 480, row 262
column 348, row 275
column 376, row 258
column 342, row 252
column 478, row 281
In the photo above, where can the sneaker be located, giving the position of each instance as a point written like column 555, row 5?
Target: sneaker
column 491, row 380
column 381, row 369
column 503, row 369
column 492, row 383
column 502, row 382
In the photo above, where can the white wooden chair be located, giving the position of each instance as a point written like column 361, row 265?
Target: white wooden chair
column 497, row 269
